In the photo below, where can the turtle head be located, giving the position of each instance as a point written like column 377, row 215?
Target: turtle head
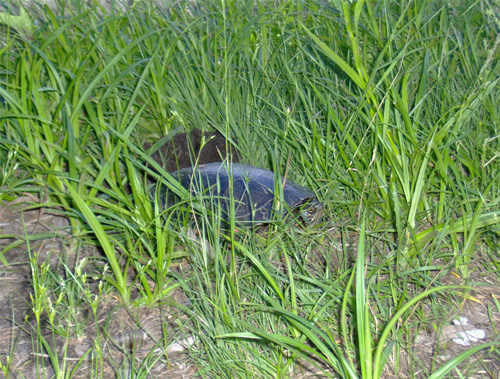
column 311, row 211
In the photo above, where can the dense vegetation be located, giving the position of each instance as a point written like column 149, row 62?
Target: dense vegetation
column 388, row 110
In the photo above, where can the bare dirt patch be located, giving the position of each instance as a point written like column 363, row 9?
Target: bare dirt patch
column 147, row 339
column 153, row 341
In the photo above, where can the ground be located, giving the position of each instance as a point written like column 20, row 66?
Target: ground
column 135, row 337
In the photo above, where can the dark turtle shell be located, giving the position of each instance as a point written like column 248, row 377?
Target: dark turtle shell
column 252, row 190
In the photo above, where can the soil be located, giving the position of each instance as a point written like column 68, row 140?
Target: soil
column 155, row 335
column 154, row 338
column 123, row 334
column 184, row 149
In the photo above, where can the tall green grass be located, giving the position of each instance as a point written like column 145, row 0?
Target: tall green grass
column 387, row 110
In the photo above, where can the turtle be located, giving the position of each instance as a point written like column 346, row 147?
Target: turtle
column 253, row 191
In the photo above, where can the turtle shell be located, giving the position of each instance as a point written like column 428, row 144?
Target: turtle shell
column 252, row 190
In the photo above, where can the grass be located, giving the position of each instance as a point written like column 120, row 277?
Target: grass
column 387, row 110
